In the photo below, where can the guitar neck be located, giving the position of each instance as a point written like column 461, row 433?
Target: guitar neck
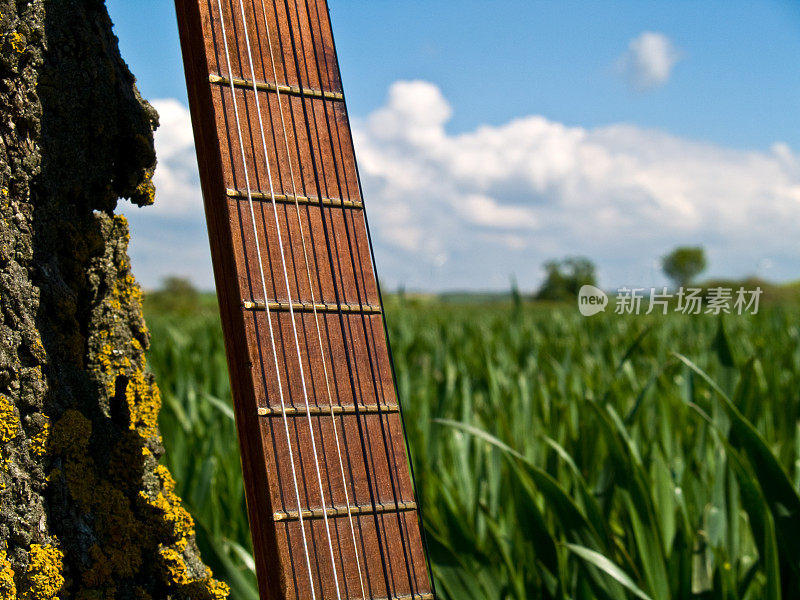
column 330, row 496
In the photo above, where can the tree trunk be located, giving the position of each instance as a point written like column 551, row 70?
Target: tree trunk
column 86, row 511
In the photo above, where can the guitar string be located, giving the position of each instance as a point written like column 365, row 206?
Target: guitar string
column 371, row 339
column 363, row 319
column 372, row 252
column 371, row 360
column 271, row 279
column 313, row 301
column 289, row 300
column 226, row 120
column 420, row 514
column 225, row 116
column 347, row 350
column 386, row 446
column 281, row 184
column 371, row 461
column 302, row 178
column 316, row 319
column 264, row 289
column 327, row 327
column 368, row 439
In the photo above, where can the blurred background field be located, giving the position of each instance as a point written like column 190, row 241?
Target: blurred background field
column 556, row 456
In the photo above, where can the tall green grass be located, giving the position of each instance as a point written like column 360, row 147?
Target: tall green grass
column 556, row 456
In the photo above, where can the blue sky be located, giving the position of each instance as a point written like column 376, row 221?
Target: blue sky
column 562, row 82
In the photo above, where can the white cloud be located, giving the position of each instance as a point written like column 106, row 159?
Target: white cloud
column 471, row 209
column 502, row 199
column 649, row 61
column 169, row 238
column 176, row 178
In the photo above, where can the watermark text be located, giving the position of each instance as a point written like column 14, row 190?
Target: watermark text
column 687, row 301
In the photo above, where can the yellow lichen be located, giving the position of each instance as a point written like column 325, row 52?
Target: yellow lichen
column 176, row 568
column 8, row 590
column 112, row 364
column 144, row 403
column 9, row 422
column 216, row 589
column 38, row 443
column 126, row 291
column 146, row 192
column 9, row 428
column 44, row 575
column 121, row 223
column 131, row 518
column 17, row 43
column 121, row 220
column 177, row 573
column 168, row 503
column 38, row 350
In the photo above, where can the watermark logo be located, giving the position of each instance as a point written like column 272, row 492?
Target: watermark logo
column 687, row 301
column 591, row 300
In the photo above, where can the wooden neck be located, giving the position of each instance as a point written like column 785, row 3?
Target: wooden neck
column 330, row 496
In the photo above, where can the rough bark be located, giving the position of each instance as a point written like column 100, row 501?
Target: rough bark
column 86, row 511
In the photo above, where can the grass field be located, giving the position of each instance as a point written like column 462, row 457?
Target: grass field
column 556, row 456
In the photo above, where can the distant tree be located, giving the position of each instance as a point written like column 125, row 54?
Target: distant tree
column 566, row 277
column 683, row 264
column 176, row 294
column 178, row 287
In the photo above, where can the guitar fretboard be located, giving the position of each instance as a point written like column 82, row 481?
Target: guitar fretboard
column 330, row 498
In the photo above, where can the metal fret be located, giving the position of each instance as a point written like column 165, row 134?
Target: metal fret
column 291, row 199
column 370, row 409
column 425, row 596
column 320, row 307
column 342, row 511
column 271, row 87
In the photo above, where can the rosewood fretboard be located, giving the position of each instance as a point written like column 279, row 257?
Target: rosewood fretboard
column 330, row 497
